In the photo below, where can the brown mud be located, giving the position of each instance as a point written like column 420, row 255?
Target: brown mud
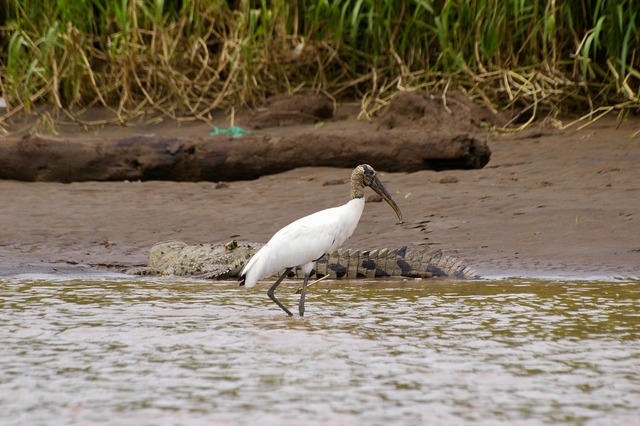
column 548, row 203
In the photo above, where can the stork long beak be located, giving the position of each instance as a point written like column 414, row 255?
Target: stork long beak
column 382, row 191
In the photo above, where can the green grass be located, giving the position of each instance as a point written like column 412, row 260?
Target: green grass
column 186, row 58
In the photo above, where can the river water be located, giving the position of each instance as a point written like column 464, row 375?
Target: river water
column 112, row 350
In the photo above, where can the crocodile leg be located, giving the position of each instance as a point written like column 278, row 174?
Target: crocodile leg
column 276, row 284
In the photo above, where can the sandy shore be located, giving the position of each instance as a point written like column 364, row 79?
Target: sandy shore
column 549, row 203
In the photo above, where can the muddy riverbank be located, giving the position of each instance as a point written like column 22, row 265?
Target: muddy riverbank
column 549, row 203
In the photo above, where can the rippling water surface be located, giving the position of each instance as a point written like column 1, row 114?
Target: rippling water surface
column 114, row 351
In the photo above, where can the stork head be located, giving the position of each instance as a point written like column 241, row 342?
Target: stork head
column 364, row 175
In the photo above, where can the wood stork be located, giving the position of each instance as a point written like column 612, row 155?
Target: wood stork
column 306, row 240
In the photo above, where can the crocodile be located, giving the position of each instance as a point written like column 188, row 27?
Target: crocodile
column 226, row 260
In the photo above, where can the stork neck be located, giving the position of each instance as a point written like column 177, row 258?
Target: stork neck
column 357, row 187
column 357, row 184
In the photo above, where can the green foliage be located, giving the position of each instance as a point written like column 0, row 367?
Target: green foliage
column 185, row 58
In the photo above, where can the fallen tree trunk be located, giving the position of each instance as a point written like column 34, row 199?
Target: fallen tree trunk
column 151, row 157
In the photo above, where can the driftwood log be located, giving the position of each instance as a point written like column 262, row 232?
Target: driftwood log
column 149, row 157
column 415, row 132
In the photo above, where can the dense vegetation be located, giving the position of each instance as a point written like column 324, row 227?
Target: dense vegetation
column 186, row 58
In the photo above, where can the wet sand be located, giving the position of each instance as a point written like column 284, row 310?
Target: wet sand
column 549, row 203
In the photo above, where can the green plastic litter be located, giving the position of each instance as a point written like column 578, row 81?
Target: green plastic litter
column 233, row 131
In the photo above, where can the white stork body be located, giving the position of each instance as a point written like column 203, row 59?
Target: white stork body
column 306, row 240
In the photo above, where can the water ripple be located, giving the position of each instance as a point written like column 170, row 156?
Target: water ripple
column 191, row 352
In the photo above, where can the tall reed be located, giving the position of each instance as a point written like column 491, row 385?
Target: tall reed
column 186, row 58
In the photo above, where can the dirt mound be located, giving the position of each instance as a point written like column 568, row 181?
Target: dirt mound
column 451, row 113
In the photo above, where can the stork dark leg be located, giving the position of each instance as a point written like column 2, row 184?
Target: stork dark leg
column 302, row 294
column 273, row 288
